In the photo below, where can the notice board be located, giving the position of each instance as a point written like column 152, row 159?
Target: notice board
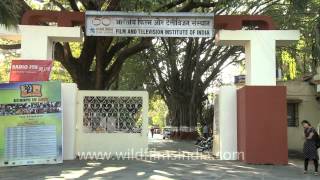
column 30, row 123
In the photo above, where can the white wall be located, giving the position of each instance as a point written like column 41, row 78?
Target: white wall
column 69, row 99
column 37, row 41
column 226, row 139
column 260, row 51
column 112, row 143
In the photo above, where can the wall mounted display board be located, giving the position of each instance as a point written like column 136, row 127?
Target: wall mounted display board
column 30, row 123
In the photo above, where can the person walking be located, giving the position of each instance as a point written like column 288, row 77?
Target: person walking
column 309, row 147
column 152, row 131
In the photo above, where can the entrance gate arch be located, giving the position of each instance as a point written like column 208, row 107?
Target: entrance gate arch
column 259, row 45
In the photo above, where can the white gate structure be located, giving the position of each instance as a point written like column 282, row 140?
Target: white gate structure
column 116, row 121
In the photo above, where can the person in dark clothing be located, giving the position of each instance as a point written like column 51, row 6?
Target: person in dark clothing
column 205, row 131
column 152, row 131
column 309, row 148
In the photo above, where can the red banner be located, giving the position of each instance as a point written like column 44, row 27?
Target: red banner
column 30, row 70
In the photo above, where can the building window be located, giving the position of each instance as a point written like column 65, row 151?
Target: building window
column 293, row 116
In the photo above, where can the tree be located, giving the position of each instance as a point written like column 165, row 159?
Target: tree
column 101, row 58
column 309, row 11
column 158, row 112
column 58, row 73
column 5, row 70
column 302, row 58
column 183, row 70
column 133, row 75
column 11, row 11
column 6, row 55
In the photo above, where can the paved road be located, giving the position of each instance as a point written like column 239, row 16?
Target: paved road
column 178, row 166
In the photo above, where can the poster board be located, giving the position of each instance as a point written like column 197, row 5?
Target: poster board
column 30, row 123
column 30, row 70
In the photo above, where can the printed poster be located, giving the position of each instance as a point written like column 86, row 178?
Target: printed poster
column 30, row 123
column 30, row 70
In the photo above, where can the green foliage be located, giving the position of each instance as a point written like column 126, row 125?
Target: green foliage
column 5, row 64
column 289, row 64
column 133, row 75
column 6, row 57
column 304, row 16
column 207, row 115
column 9, row 12
column 76, row 48
column 138, row 5
column 59, row 73
column 158, row 111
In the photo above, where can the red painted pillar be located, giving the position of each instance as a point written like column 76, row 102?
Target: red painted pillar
column 262, row 124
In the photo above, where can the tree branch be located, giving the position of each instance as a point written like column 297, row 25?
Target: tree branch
column 73, row 5
column 61, row 54
column 193, row 5
column 25, row 6
column 209, row 60
column 58, row 4
column 157, row 60
column 187, row 60
column 114, row 49
column 122, row 56
column 88, row 52
column 170, row 5
column 162, row 85
column 172, row 58
column 113, row 5
column 217, row 69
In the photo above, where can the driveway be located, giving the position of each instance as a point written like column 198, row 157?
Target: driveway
column 167, row 160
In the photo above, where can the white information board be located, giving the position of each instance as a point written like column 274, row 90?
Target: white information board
column 22, row 140
column 149, row 24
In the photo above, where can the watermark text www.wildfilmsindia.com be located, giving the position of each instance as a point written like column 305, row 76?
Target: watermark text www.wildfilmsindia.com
column 145, row 154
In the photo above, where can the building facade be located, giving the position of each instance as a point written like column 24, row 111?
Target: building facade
column 302, row 104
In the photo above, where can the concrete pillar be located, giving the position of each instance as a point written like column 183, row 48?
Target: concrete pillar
column 225, row 124
column 69, row 100
column 261, row 109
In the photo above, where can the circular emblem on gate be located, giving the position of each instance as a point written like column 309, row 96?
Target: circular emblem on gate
column 106, row 21
column 96, row 21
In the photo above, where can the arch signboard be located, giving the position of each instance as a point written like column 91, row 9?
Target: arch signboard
column 159, row 24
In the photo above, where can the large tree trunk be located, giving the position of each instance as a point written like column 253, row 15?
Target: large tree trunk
column 184, row 114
